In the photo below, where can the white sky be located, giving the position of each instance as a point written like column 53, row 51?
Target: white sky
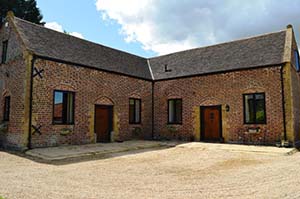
column 165, row 26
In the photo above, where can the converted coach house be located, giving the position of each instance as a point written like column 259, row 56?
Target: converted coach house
column 57, row 89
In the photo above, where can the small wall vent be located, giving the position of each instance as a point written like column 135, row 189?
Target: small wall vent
column 167, row 69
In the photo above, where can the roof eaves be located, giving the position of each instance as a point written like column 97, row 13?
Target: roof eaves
column 219, row 72
column 220, row 44
column 90, row 67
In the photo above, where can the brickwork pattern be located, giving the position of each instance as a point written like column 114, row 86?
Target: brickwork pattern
column 222, row 89
column 13, row 82
column 91, row 87
column 295, row 81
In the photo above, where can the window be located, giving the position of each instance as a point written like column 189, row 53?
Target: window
column 4, row 51
column 63, row 109
column 134, row 111
column 6, row 108
column 175, row 111
column 296, row 54
column 254, row 108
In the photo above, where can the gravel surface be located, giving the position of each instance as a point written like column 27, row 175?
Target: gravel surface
column 168, row 173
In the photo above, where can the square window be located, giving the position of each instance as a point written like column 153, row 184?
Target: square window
column 6, row 108
column 296, row 54
column 175, row 111
column 4, row 51
column 134, row 111
column 254, row 108
column 63, row 109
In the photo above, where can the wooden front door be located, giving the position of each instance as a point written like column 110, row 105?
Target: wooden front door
column 103, row 122
column 211, row 123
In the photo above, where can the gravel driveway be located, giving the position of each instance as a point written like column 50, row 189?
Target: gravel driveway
column 168, row 173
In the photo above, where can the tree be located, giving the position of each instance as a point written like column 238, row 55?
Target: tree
column 24, row 9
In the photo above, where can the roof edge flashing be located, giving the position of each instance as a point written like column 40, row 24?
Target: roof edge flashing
column 287, row 56
column 150, row 69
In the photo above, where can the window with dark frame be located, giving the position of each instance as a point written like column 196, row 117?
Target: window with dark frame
column 254, row 108
column 4, row 51
column 174, row 111
column 134, row 111
column 297, row 61
column 6, row 108
column 63, row 107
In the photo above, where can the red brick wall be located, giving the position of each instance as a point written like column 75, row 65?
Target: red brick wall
column 91, row 87
column 97, row 87
column 295, row 79
column 296, row 104
column 222, row 89
column 12, row 83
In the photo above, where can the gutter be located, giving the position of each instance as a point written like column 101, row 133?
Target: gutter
column 29, row 143
column 153, row 83
column 283, row 103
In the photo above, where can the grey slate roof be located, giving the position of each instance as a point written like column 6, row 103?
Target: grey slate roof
column 247, row 53
column 49, row 43
column 263, row 50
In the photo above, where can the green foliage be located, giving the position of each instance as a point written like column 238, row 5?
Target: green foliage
column 171, row 129
column 65, row 131
column 3, row 128
column 260, row 115
column 1, row 197
column 24, row 9
column 137, row 132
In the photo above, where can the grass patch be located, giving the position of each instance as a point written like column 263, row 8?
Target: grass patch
column 1, row 197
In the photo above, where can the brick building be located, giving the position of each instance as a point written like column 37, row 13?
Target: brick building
column 57, row 89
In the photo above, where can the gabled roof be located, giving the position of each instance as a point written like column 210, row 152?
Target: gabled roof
column 49, row 43
column 263, row 50
column 247, row 53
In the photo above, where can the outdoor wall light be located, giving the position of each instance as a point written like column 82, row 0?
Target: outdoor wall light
column 227, row 108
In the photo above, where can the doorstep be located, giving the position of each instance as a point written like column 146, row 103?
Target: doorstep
column 77, row 151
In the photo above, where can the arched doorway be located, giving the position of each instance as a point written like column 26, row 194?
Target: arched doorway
column 103, row 119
